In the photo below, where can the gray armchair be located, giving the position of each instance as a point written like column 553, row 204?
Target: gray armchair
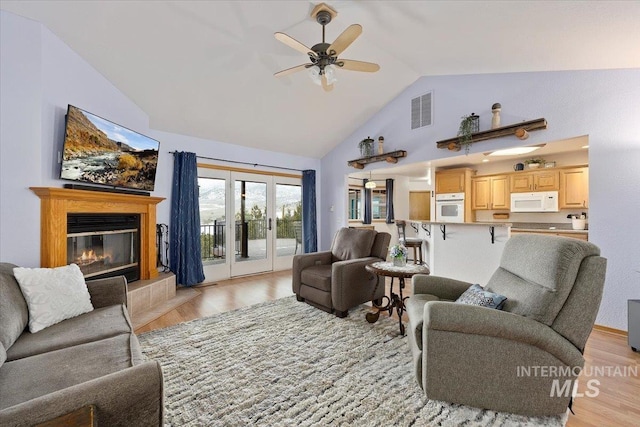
column 525, row 358
column 336, row 280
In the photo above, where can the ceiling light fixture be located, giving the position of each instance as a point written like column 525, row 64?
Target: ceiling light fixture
column 370, row 184
column 314, row 74
column 515, row 150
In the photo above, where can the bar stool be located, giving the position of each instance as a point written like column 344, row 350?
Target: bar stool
column 410, row 242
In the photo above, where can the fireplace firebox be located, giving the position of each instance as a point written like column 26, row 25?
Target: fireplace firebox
column 104, row 245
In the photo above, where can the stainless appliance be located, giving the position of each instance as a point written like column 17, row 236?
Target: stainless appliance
column 450, row 207
column 539, row 201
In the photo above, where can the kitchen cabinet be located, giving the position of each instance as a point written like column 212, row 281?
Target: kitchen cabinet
column 574, row 188
column 544, row 180
column 453, row 180
column 420, row 205
column 490, row 192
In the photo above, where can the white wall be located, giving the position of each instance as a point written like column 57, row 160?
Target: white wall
column 602, row 104
column 40, row 75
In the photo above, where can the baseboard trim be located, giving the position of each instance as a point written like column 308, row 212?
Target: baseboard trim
column 610, row 330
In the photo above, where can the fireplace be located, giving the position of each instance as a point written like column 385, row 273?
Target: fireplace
column 56, row 245
column 104, row 245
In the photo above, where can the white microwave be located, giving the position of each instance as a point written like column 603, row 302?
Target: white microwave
column 539, row 201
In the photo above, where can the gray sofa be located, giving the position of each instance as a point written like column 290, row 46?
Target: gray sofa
column 488, row 358
column 92, row 359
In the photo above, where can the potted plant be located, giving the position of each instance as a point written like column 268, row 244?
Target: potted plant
column 398, row 255
column 534, row 163
column 468, row 126
column 366, row 147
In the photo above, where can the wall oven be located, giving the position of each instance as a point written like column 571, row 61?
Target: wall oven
column 450, row 207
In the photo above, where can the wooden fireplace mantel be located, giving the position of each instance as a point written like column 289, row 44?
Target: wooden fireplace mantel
column 56, row 203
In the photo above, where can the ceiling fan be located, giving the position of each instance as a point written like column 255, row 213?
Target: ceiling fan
column 324, row 56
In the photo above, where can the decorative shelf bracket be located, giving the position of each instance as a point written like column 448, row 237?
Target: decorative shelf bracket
column 454, row 143
column 414, row 226
column 426, row 228
column 391, row 157
column 443, row 229
column 492, row 231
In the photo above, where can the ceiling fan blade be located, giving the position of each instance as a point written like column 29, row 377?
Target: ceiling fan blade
column 293, row 43
column 345, row 39
column 291, row 70
column 325, row 86
column 350, row 64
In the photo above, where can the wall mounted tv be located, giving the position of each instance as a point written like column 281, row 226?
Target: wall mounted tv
column 98, row 151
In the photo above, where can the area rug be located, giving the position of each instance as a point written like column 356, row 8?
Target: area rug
column 285, row 363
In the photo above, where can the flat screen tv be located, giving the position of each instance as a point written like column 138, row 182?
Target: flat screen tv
column 98, row 151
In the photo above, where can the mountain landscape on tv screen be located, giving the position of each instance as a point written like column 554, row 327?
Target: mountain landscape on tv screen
column 90, row 155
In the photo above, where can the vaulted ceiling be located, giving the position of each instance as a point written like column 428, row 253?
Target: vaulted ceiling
column 205, row 68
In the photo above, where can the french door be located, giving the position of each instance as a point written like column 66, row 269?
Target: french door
column 249, row 222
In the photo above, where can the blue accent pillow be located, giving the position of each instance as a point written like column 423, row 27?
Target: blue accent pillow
column 477, row 295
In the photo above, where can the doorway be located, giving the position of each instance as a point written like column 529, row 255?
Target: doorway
column 248, row 221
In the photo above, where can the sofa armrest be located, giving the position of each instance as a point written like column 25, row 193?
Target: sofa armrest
column 476, row 320
column 109, row 291
column 442, row 287
column 302, row 261
column 352, row 284
column 132, row 396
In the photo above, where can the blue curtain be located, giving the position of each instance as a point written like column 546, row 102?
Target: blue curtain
column 390, row 216
column 309, row 224
column 184, row 244
column 367, row 203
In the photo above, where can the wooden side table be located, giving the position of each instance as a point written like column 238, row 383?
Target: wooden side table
column 394, row 301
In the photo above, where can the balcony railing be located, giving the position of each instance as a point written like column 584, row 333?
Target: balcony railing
column 213, row 236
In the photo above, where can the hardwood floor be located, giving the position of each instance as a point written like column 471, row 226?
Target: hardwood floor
column 616, row 401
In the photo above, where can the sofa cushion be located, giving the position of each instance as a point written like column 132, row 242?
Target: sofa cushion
column 45, row 373
column 317, row 276
column 537, row 272
column 415, row 311
column 53, row 294
column 93, row 326
column 352, row 243
column 14, row 313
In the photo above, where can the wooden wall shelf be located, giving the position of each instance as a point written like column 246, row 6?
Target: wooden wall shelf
column 454, row 143
column 391, row 157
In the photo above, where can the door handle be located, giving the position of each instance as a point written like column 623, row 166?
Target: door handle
column 269, row 226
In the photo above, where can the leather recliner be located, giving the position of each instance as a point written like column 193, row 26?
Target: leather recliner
column 336, row 280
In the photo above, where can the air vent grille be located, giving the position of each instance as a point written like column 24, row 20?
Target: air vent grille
column 421, row 111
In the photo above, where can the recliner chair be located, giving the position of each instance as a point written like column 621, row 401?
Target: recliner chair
column 336, row 280
column 525, row 358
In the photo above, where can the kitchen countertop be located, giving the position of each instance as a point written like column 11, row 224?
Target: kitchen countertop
column 546, row 227
column 519, row 226
column 494, row 224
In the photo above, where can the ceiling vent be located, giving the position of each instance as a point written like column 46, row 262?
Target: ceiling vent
column 422, row 111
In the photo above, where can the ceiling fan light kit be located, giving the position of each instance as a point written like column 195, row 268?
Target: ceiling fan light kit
column 324, row 56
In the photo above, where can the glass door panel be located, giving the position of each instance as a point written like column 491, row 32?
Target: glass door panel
column 288, row 214
column 214, row 235
column 253, row 224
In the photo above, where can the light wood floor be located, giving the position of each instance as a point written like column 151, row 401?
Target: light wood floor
column 618, row 397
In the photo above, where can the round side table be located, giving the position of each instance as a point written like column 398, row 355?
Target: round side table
column 393, row 301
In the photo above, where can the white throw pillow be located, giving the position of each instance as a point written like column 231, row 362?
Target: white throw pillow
column 53, row 294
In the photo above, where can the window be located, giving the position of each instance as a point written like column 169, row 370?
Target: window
column 355, row 203
column 378, row 204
